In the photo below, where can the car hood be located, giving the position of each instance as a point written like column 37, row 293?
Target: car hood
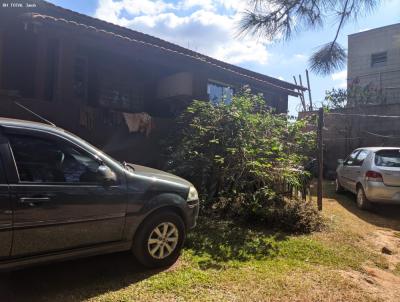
column 150, row 172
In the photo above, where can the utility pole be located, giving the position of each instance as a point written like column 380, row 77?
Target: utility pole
column 320, row 157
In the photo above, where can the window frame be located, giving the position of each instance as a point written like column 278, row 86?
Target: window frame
column 377, row 59
column 43, row 134
column 221, row 84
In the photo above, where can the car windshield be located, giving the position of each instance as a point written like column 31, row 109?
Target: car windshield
column 388, row 158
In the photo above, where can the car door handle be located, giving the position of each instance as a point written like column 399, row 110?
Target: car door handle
column 34, row 200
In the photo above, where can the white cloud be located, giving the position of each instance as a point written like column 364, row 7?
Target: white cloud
column 147, row 7
column 109, row 10
column 214, row 5
column 203, row 4
column 340, row 78
column 206, row 26
column 300, row 57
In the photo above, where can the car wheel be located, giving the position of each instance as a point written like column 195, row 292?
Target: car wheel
column 159, row 240
column 338, row 187
column 362, row 201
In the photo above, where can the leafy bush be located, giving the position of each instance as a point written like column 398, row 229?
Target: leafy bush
column 286, row 214
column 234, row 153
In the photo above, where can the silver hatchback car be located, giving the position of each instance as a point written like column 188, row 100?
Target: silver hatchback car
column 372, row 173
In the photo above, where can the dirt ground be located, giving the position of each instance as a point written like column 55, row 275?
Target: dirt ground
column 380, row 230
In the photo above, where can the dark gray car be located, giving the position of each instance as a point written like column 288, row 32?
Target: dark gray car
column 62, row 198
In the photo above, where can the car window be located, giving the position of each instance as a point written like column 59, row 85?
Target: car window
column 350, row 160
column 361, row 157
column 388, row 158
column 42, row 160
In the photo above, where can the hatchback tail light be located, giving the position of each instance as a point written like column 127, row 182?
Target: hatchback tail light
column 374, row 176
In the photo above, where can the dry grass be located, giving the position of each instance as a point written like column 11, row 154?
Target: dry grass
column 224, row 261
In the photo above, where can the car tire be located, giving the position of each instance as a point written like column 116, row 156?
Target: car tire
column 362, row 201
column 338, row 187
column 159, row 240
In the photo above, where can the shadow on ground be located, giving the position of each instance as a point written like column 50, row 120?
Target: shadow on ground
column 215, row 243
column 381, row 215
column 73, row 280
column 218, row 242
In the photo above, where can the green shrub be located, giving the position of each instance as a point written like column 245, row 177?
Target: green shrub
column 294, row 215
column 239, row 154
column 264, row 207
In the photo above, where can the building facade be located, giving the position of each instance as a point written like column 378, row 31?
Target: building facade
column 374, row 62
column 117, row 88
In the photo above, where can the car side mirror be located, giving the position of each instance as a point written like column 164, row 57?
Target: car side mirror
column 340, row 161
column 107, row 176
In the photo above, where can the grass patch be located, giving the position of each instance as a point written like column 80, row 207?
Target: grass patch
column 226, row 244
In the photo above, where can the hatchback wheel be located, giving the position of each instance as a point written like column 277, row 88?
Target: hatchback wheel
column 362, row 201
column 160, row 239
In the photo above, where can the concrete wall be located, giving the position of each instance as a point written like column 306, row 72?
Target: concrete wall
column 344, row 133
column 361, row 46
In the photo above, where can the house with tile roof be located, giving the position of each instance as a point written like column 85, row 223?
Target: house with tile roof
column 93, row 78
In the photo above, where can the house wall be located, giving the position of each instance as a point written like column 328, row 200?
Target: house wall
column 360, row 48
column 115, row 69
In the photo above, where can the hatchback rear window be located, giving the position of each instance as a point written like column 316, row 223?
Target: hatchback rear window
column 388, row 158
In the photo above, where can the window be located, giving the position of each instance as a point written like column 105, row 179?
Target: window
column 388, row 158
column 351, row 159
column 378, row 59
column 41, row 160
column 361, row 157
column 218, row 93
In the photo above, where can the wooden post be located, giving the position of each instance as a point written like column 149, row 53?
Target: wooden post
column 309, row 90
column 320, row 157
column 301, row 95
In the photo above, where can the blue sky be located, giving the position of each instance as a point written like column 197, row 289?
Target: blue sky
column 209, row 26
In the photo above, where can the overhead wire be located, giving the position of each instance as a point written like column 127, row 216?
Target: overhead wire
column 362, row 115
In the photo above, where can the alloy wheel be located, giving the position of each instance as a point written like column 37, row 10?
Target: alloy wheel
column 163, row 240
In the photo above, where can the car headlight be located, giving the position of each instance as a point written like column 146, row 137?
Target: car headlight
column 193, row 195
